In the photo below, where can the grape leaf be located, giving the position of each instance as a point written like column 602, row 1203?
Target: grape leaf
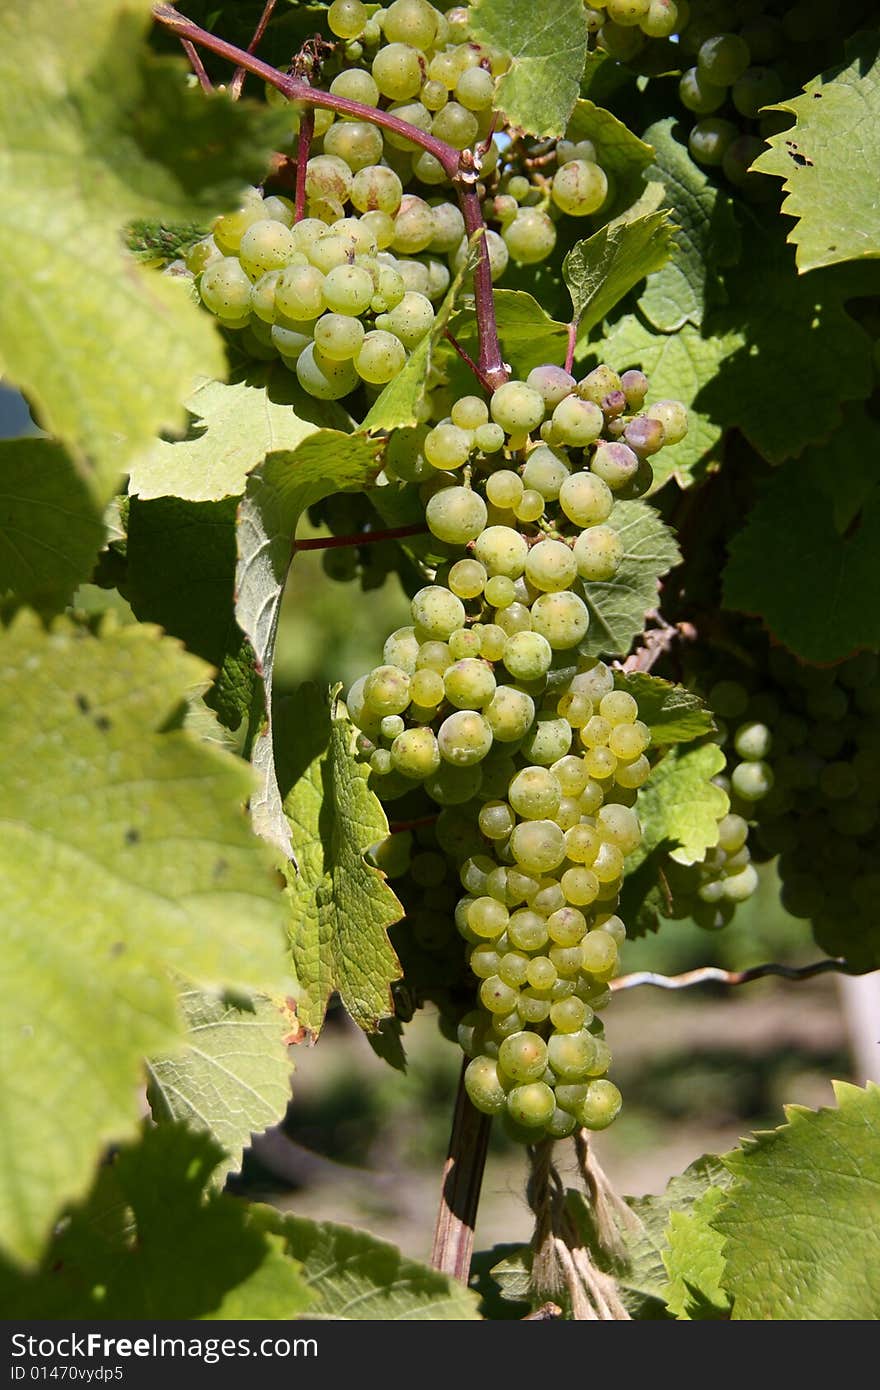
column 233, row 1077
column 648, row 1243
column 802, row 1226
column 680, row 367
column 95, row 131
column 789, row 328
column 680, row 804
column 704, row 234
column 50, row 528
column 806, row 560
column 124, row 855
column 829, row 158
column 340, row 907
column 181, row 568
column 233, row 426
column 527, row 334
column 694, row 1261
column 548, row 47
column 673, row 714
column 152, row 1240
column 602, row 269
column 355, row 1277
column 278, row 492
column 618, row 606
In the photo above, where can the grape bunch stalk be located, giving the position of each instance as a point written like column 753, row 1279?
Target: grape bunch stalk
column 485, row 706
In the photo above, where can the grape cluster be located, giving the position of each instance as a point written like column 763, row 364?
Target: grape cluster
column 804, row 766
column 710, row 891
column 485, row 706
column 736, row 58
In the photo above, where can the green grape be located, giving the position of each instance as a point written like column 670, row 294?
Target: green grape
column 228, row 230
column 600, row 1106
column 355, row 85
column 391, row 725
column 569, row 1015
column 489, row 438
column 571, row 775
column 347, row 18
column 752, row 781
column 448, row 231
column 357, row 143
column 487, row 918
column 263, row 299
column 673, row 417
column 202, row 254
column 739, row 887
column 531, row 1105
column 753, row 741
column 410, row 21
column 538, row 846
column 533, row 1005
column 226, row 290
column 266, row 245
column 502, row 551
column 509, row 713
column 634, row 385
column 415, row 753
column 579, row 187
column 453, row 786
column 500, row 591
column 599, row 952
column 467, row 578
column 469, row 684
column 548, row 740
column 580, row 886
column 496, row 996
column 616, row 464
column 455, row 125
column 585, row 498
column 475, row 89
column 338, row 336
column 550, row 566
column 458, row 515
column 464, row 643
column 323, row 378
column 413, row 225
column 723, row 58
column 661, row 20
column 545, row 472
column 484, row 1089
column 484, row 961
column 561, row 1124
column 496, row 820
column 608, row 864
column 530, row 237
column 299, row 293
column 397, row 71
column 530, row 506
column 409, row 320
column 576, row 708
column 527, row 655
column 699, row 95
column 433, row 656
column 548, row 897
column 523, row 1056
column 504, row 488
column 387, row 690
column 328, row 180
column 571, row 1055
column 561, row 618
column 576, row 422
column 534, row 793
column 376, row 189
column 513, row 619
column 620, row 825
column 598, row 384
column 447, row 447
column 627, row 12
column 552, row 383
column 436, row 613
column 464, row 737
column 710, row 138
column 598, row 554
column 618, row 707
column 516, row 407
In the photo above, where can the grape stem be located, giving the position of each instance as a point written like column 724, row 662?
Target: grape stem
column 396, row 826
column 468, row 360
column 572, row 341
column 360, row 538
column 712, row 974
column 460, row 1194
column 459, row 166
column 240, row 73
column 303, row 150
column 197, row 65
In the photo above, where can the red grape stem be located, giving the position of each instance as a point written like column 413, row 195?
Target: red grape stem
column 240, row 73
column 459, row 166
column 358, row 538
column 197, row 65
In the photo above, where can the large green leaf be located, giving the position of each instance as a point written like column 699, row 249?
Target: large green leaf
column 96, row 131
column 673, row 714
column 802, row 1226
column 548, row 46
column 355, row 1277
column 180, row 574
column 152, row 1240
column 680, row 804
column 340, row 907
column 233, row 426
column 233, row 1077
column 602, row 269
column 278, row 492
column 810, row 571
column 50, row 527
column 124, row 855
column 829, row 159
column 694, row 1261
column 705, row 235
column 618, row 606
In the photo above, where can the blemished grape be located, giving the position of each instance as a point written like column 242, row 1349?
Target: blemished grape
column 579, row 187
